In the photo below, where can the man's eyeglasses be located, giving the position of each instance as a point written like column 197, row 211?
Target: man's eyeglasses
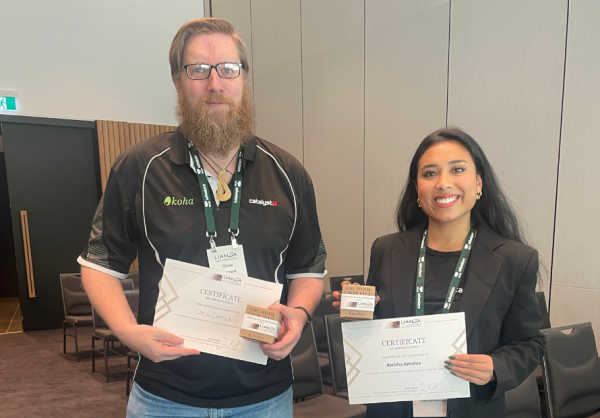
column 202, row 71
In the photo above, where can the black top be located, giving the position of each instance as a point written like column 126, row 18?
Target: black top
column 501, row 312
column 439, row 268
column 279, row 231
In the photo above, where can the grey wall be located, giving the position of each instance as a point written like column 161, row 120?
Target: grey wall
column 576, row 273
column 103, row 60
column 505, row 89
column 350, row 87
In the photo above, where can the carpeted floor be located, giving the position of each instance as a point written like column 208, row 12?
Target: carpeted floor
column 38, row 380
column 10, row 315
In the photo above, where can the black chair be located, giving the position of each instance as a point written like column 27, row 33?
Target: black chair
column 571, row 372
column 324, row 307
column 336, row 282
column 134, row 301
column 131, row 370
column 545, row 324
column 108, row 338
column 127, row 284
column 524, row 400
column 333, row 325
column 543, row 310
column 309, row 399
column 134, row 275
column 77, row 308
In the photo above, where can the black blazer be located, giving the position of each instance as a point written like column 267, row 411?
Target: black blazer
column 500, row 306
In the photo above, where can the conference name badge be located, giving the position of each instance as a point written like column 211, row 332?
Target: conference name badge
column 229, row 259
column 431, row 408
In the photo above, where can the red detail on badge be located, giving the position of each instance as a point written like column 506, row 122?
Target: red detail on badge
column 274, row 202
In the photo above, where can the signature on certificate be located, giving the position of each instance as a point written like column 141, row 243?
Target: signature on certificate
column 227, row 343
column 425, row 388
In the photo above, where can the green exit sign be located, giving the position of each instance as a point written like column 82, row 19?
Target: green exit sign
column 8, row 103
column 8, row 100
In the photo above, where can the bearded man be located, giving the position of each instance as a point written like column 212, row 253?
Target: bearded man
column 153, row 206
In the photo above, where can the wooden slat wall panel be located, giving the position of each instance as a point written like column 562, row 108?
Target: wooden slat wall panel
column 111, row 141
column 122, row 137
column 136, row 132
column 103, row 173
column 131, row 134
column 116, row 137
column 126, row 135
column 106, row 158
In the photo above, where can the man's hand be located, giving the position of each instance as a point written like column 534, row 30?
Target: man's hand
column 289, row 332
column 107, row 297
column 154, row 343
column 474, row 368
column 338, row 296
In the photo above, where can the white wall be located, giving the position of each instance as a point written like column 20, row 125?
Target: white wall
column 496, row 68
column 83, row 59
column 505, row 89
column 576, row 275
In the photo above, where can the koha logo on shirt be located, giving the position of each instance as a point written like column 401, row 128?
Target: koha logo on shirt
column 173, row 201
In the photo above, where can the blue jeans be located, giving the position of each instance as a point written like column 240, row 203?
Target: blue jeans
column 144, row 404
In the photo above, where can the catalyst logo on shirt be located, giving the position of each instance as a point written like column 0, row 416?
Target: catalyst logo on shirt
column 173, row 201
column 263, row 202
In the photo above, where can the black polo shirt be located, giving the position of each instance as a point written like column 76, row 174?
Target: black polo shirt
column 152, row 205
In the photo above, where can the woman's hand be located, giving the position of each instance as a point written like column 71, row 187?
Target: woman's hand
column 474, row 368
column 338, row 296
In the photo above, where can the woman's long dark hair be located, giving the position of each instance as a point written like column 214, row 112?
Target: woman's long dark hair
column 493, row 208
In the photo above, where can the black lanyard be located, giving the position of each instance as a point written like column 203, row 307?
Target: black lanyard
column 234, row 220
column 458, row 271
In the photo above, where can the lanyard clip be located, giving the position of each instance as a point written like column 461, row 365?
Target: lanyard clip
column 234, row 243
column 211, row 238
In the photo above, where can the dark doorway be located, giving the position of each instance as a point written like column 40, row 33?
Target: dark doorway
column 51, row 173
column 9, row 284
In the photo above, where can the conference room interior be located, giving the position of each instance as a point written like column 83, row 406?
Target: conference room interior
column 348, row 87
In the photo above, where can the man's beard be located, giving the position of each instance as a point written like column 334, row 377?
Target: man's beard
column 216, row 131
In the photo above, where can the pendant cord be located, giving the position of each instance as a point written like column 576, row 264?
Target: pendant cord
column 220, row 169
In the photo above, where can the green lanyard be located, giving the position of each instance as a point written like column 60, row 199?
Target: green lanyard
column 234, row 220
column 458, row 271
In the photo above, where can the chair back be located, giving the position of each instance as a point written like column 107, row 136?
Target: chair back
column 133, row 299
column 75, row 300
column 524, row 400
column 324, row 307
column 333, row 326
column 97, row 320
column 127, row 284
column 135, row 276
column 305, row 366
column 543, row 309
column 571, row 371
column 336, row 282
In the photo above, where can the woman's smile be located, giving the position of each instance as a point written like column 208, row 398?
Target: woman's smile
column 445, row 201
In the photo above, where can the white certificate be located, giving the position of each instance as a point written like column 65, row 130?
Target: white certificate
column 402, row 359
column 206, row 308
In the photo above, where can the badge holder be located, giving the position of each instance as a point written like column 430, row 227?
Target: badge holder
column 433, row 408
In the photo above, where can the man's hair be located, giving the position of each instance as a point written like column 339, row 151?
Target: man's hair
column 203, row 26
